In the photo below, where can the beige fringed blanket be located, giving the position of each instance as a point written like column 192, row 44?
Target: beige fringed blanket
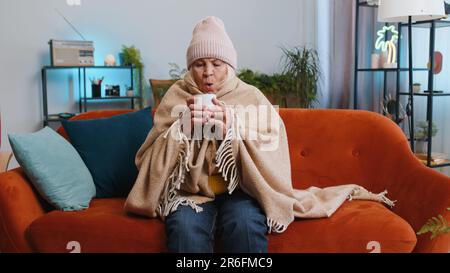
column 174, row 169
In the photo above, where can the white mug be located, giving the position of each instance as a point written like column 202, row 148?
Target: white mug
column 205, row 99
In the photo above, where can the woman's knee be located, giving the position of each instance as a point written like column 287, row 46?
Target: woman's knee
column 243, row 230
column 243, row 213
column 244, row 235
column 188, row 231
column 245, row 222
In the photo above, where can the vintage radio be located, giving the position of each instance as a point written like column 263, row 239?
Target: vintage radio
column 71, row 53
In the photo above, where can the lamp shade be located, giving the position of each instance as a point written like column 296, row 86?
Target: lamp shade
column 419, row 10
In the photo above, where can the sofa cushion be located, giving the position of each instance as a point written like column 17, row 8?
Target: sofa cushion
column 105, row 227
column 354, row 227
column 108, row 146
column 95, row 114
column 55, row 168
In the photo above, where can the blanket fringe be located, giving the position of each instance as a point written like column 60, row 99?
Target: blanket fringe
column 384, row 199
column 275, row 226
column 224, row 157
column 360, row 193
column 170, row 199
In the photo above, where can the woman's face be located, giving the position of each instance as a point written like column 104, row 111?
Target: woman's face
column 208, row 74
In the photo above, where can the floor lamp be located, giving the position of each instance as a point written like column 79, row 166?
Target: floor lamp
column 409, row 11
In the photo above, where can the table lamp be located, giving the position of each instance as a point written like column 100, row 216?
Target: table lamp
column 409, row 11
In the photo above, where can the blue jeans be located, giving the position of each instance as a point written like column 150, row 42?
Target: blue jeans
column 238, row 220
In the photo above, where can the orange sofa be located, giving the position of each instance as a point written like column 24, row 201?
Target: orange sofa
column 327, row 147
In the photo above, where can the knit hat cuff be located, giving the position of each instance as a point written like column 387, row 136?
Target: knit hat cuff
column 211, row 49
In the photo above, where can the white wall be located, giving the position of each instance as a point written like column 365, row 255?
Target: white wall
column 160, row 29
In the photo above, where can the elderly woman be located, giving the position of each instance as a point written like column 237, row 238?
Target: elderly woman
column 235, row 181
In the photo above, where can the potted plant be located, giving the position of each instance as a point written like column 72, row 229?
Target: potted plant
column 389, row 106
column 416, row 87
column 282, row 85
column 270, row 85
column 421, row 135
column 256, row 79
column 302, row 71
column 132, row 57
column 130, row 91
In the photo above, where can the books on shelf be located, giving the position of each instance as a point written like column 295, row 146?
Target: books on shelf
column 436, row 158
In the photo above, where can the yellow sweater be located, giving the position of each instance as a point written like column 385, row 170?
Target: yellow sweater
column 217, row 184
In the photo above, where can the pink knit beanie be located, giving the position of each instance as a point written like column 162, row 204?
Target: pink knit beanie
column 210, row 40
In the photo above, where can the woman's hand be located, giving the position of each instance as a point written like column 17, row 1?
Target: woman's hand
column 216, row 116
column 198, row 116
column 220, row 117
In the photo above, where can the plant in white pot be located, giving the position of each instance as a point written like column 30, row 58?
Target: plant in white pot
column 421, row 135
column 416, row 87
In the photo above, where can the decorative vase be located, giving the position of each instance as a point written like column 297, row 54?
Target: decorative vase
column 110, row 60
column 96, row 90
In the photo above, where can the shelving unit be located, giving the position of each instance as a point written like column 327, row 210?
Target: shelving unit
column 432, row 25
column 83, row 99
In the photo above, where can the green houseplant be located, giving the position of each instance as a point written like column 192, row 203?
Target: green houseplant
column 436, row 226
column 274, row 86
column 132, row 57
column 422, row 130
column 421, row 135
column 261, row 81
column 302, row 71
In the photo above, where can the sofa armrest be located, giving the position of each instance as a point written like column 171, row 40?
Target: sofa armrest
column 19, row 206
column 421, row 193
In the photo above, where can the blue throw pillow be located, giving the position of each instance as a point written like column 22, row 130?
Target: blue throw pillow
column 108, row 147
column 55, row 168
